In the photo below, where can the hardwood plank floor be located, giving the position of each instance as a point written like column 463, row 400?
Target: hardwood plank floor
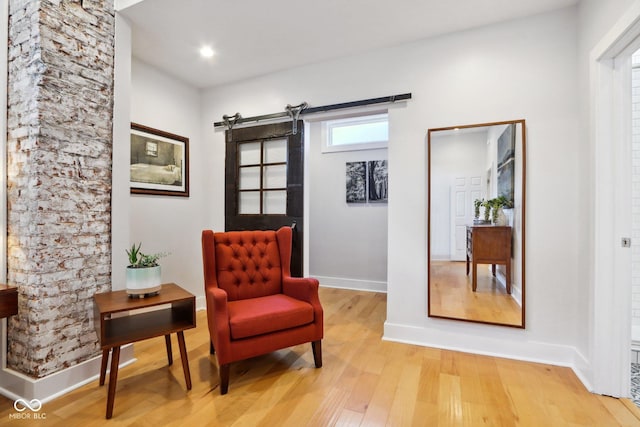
column 452, row 297
column 364, row 382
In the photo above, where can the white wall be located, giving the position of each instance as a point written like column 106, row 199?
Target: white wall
column 347, row 241
column 520, row 69
column 120, row 207
column 163, row 223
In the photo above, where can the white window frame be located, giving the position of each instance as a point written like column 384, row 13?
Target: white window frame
column 328, row 125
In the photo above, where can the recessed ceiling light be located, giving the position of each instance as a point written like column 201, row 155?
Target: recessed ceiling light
column 206, row 52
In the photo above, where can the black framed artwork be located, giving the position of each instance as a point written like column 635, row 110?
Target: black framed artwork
column 159, row 162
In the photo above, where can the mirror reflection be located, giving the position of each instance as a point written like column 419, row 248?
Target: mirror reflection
column 476, row 222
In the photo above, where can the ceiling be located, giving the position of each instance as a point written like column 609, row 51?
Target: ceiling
column 252, row 38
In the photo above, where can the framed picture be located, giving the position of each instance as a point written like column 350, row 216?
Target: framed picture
column 378, row 181
column 356, row 182
column 506, row 162
column 367, row 182
column 159, row 162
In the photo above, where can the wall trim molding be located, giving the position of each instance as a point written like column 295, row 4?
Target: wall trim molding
column 352, row 284
column 516, row 292
column 526, row 351
column 201, row 303
column 16, row 385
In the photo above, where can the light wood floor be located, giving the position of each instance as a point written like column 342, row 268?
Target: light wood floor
column 364, row 382
column 451, row 295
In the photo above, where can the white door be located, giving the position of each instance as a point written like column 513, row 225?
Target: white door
column 464, row 191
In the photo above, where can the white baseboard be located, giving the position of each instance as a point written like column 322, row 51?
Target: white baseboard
column 516, row 291
column 469, row 342
column 15, row 385
column 201, row 303
column 352, row 284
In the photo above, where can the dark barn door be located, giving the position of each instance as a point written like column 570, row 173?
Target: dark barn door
column 264, row 177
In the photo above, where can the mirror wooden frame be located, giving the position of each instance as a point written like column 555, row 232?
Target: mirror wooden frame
column 522, row 219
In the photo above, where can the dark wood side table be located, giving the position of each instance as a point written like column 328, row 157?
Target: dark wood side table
column 8, row 301
column 116, row 327
column 489, row 244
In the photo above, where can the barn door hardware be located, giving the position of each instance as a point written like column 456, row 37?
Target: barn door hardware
column 294, row 113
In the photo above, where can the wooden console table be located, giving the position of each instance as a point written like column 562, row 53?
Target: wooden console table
column 116, row 327
column 489, row 244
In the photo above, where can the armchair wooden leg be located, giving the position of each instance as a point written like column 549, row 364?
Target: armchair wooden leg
column 212, row 350
column 317, row 353
column 224, row 378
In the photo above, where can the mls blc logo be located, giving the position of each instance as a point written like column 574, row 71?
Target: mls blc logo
column 22, row 405
column 33, row 405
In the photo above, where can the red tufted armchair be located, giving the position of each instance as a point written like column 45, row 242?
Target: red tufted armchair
column 254, row 306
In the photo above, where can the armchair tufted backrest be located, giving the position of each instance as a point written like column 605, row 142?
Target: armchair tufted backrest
column 248, row 263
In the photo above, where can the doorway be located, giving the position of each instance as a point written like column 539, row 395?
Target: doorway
column 611, row 320
column 635, row 227
column 264, row 182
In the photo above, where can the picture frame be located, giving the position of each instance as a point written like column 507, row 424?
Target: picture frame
column 506, row 162
column 356, row 189
column 377, row 181
column 159, row 162
column 367, row 182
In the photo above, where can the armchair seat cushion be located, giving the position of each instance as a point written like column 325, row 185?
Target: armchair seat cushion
column 257, row 316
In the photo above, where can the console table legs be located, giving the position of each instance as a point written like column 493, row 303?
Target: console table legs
column 474, row 275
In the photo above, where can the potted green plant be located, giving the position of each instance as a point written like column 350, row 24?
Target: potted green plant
column 497, row 205
column 143, row 272
column 477, row 204
column 487, row 204
column 476, row 208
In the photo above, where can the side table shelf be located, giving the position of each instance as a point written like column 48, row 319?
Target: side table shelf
column 121, row 320
column 141, row 326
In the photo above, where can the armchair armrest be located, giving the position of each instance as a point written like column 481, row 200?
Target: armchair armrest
column 218, row 320
column 302, row 288
column 306, row 289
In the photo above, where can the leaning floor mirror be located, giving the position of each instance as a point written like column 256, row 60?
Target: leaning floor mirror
column 476, row 223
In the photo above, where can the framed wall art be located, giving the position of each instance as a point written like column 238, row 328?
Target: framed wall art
column 378, row 181
column 159, row 162
column 506, row 162
column 356, row 182
column 367, row 182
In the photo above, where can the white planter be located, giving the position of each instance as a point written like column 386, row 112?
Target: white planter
column 502, row 218
column 141, row 281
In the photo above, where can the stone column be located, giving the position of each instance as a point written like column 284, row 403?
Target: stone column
column 59, row 145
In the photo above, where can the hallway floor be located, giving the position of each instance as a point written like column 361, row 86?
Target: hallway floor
column 364, row 381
